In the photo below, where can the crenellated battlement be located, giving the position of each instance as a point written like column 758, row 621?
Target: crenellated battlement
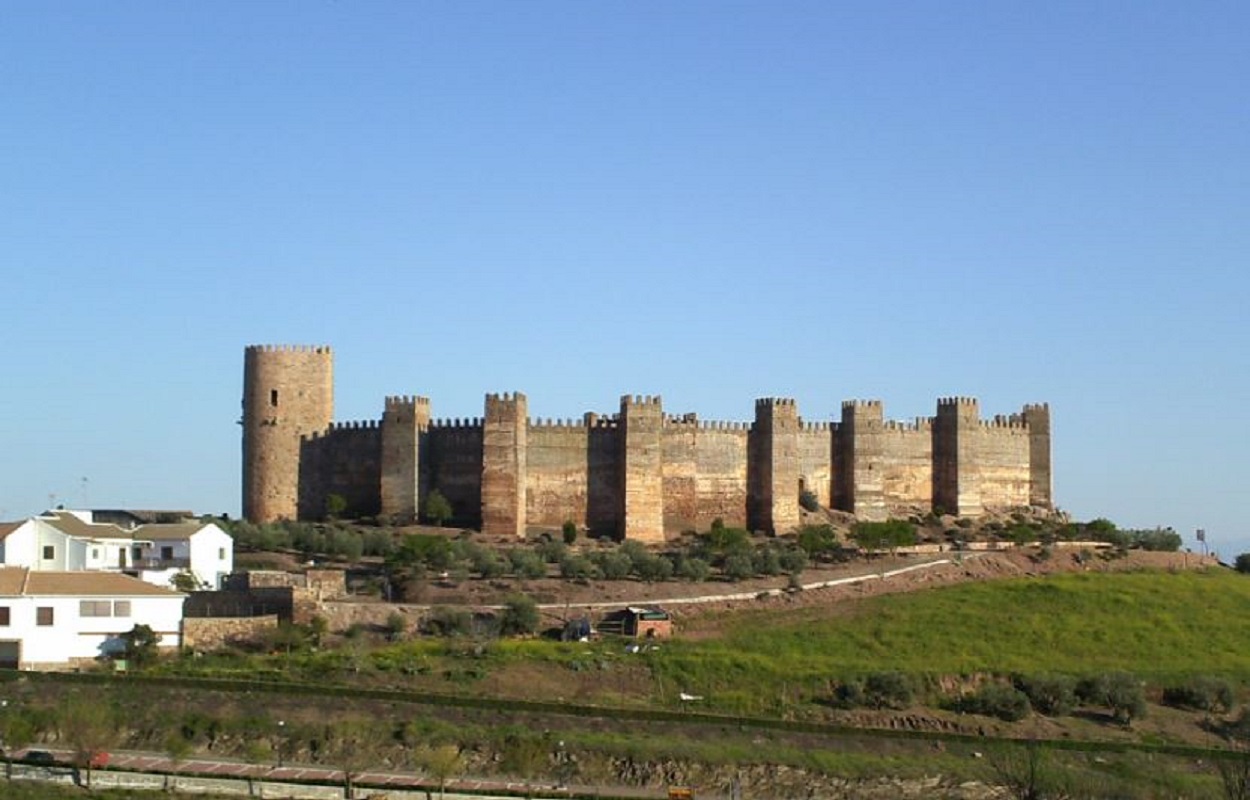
column 774, row 402
column 289, row 348
column 851, row 405
column 467, row 422
column 636, row 472
column 916, row 425
column 406, row 402
column 1014, row 422
column 505, row 398
column 723, row 425
column 964, row 402
column 541, row 423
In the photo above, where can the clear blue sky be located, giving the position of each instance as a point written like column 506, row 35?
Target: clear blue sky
column 708, row 201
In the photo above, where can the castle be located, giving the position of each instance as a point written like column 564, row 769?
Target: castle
column 637, row 474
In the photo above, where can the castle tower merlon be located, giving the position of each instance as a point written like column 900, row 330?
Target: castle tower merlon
column 642, row 468
column 505, row 429
column 858, row 453
column 405, row 423
column 1037, row 419
column 956, row 463
column 288, row 394
column 775, row 465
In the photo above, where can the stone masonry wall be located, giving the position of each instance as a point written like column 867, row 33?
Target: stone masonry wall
column 721, row 474
column 456, row 468
column 637, row 474
column 344, row 460
column 1003, row 462
column 907, row 467
column 557, row 473
column 816, row 461
column 213, row 633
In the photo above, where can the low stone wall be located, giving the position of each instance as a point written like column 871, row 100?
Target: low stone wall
column 213, row 632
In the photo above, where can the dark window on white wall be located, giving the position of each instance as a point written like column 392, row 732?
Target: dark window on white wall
column 49, row 552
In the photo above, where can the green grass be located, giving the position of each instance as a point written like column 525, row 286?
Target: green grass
column 1161, row 626
column 1158, row 625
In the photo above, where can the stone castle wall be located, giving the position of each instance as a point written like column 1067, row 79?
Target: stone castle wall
column 638, row 473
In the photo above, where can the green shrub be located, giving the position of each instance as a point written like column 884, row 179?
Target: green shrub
column 890, row 535
column 793, row 560
column 568, row 531
column 448, row 621
column 575, row 567
column 817, row 540
column 692, row 568
column 437, row 508
column 613, row 564
column 552, row 551
column 766, row 561
column 519, row 616
column 1052, row 695
column 997, row 700
column 1201, row 692
column 739, row 566
column 1120, row 692
column 1163, row 540
column 877, row 690
column 527, row 564
column 654, row 568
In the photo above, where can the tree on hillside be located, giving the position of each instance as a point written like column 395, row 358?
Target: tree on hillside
column 89, row 727
column 519, row 616
column 140, row 645
column 443, row 763
column 437, row 508
column 336, row 505
column 354, row 746
column 890, row 535
column 1242, row 563
column 1026, row 771
column 17, row 729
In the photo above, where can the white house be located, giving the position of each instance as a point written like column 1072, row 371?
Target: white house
column 72, row 541
column 52, row 620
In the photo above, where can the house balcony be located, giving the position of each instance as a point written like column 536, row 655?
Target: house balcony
column 139, row 564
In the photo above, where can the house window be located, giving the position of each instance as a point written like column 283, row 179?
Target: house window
column 273, row 397
column 4, row 616
column 43, row 616
column 49, row 552
column 136, row 552
column 95, row 553
column 167, row 553
column 95, row 608
column 121, row 608
column 221, row 554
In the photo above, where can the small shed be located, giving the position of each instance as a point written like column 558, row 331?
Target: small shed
column 648, row 623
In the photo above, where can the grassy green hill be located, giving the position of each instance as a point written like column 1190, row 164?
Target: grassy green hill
column 1159, row 625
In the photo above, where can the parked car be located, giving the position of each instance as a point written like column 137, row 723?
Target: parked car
column 39, row 757
column 99, row 759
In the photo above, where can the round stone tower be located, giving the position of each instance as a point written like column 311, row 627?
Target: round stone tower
column 288, row 393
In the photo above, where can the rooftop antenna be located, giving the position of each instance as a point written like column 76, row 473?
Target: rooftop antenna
column 85, row 504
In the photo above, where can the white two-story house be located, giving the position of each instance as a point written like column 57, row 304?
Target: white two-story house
column 154, row 552
column 52, row 620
